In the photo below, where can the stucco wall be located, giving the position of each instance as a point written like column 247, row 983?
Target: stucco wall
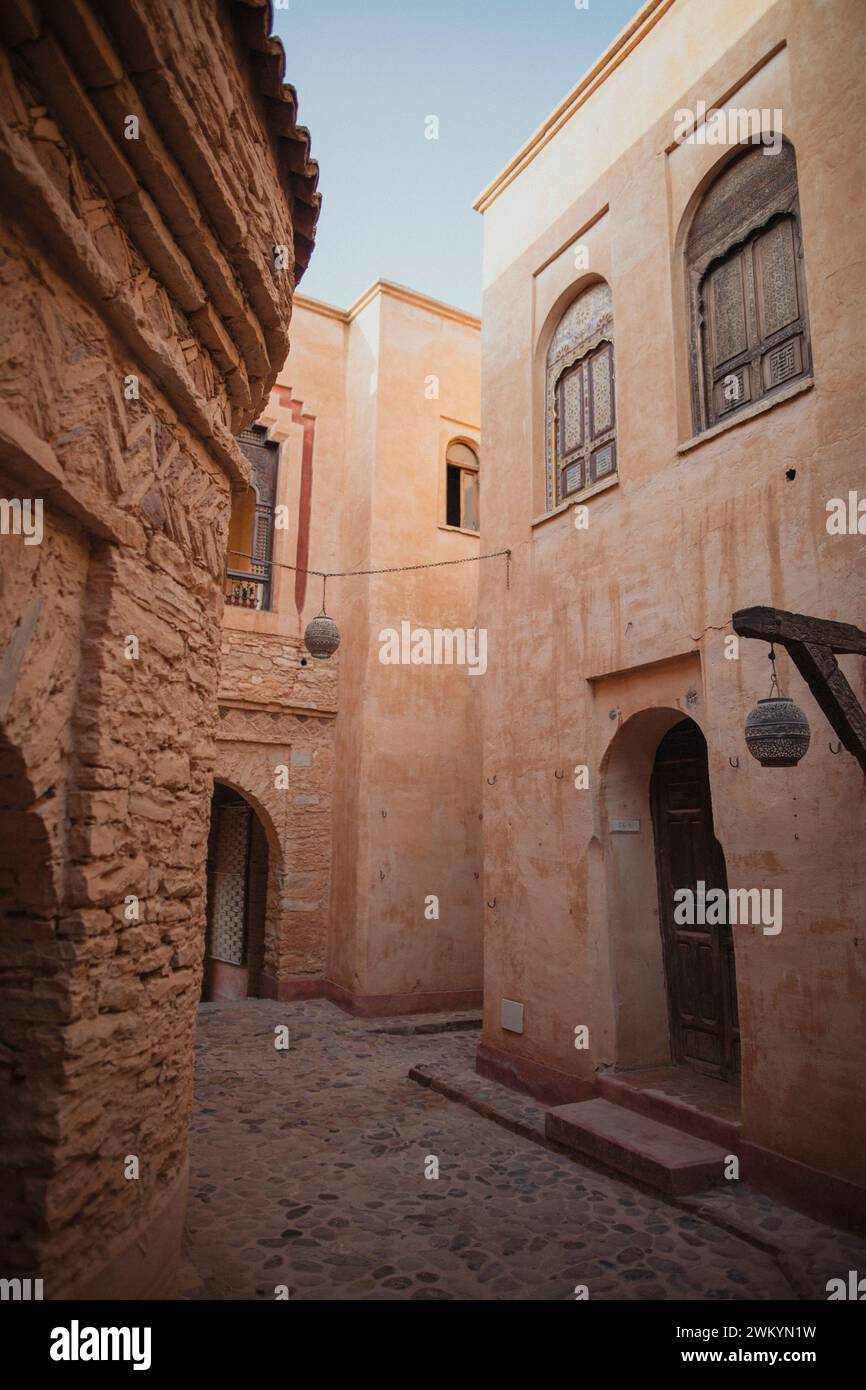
column 632, row 612
column 406, row 768
column 387, row 812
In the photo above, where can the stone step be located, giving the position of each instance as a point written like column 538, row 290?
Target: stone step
column 652, row 1153
column 679, row 1112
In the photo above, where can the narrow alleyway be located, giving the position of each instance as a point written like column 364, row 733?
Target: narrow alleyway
column 308, row 1170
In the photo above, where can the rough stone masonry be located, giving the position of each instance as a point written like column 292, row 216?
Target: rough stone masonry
column 158, row 206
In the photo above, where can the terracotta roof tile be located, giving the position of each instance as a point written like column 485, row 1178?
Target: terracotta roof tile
column 254, row 21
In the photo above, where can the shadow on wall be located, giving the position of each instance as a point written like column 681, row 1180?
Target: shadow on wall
column 34, row 970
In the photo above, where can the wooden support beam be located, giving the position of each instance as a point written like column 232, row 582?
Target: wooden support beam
column 811, row 644
column 820, row 670
column 776, row 625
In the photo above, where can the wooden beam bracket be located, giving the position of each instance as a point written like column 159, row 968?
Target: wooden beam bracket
column 813, row 645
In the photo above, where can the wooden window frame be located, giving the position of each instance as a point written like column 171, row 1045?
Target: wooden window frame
column 585, row 453
column 463, row 469
column 742, row 227
column 254, row 577
column 573, row 347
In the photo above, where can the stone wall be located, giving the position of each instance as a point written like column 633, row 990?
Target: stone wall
column 282, row 763
column 143, row 322
column 275, row 668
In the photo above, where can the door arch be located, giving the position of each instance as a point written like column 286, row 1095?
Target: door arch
column 698, row 956
column 237, row 891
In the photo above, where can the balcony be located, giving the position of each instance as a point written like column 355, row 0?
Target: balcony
column 248, row 589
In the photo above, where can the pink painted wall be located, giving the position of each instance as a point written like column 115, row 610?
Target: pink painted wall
column 406, row 737
column 631, row 614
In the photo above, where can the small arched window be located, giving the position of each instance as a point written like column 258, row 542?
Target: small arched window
column 580, row 404
column 747, row 293
column 461, row 486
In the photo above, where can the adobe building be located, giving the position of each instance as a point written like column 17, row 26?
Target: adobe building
column 157, row 214
column 347, row 791
column 671, row 401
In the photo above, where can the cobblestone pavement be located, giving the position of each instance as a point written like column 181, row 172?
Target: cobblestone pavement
column 308, row 1170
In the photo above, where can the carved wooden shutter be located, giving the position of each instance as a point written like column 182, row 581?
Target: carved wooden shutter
column 229, row 914
column 580, row 398
column 585, row 423
column 263, row 456
column 754, row 325
column 744, row 263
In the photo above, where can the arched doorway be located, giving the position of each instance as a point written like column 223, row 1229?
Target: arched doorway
column 698, row 953
column 237, row 889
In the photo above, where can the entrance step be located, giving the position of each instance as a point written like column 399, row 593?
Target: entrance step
column 676, row 1096
column 653, row 1153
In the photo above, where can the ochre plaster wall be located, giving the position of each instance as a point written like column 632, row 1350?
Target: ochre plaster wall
column 631, row 614
column 406, row 797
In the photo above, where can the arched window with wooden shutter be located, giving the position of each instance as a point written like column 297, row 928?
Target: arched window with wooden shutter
column 249, row 579
column 581, row 397
column 462, row 505
column 749, row 323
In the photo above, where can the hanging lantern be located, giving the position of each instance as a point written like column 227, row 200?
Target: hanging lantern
column 322, row 637
column 777, row 730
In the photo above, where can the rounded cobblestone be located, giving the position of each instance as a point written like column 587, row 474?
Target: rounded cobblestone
column 303, row 1177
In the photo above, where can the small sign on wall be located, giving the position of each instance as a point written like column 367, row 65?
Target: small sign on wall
column 625, row 827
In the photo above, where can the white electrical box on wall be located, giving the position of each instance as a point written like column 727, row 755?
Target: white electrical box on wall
column 511, row 1015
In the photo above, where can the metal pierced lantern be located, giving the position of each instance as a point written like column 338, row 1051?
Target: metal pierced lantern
column 777, row 730
column 322, row 637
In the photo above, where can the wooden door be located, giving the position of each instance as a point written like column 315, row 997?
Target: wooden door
column 226, row 974
column 698, row 958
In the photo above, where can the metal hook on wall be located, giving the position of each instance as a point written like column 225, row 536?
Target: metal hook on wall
column 837, row 749
column 735, row 762
column 491, row 904
column 491, row 780
column 559, row 775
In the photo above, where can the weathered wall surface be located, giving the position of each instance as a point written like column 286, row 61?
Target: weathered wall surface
column 142, row 322
column 389, row 799
column 282, row 763
column 277, row 703
column 631, row 614
column 407, row 813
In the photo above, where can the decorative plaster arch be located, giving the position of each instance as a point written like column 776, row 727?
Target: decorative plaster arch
column 275, row 849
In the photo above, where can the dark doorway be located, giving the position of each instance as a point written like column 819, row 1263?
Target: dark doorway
column 237, row 885
column 698, row 958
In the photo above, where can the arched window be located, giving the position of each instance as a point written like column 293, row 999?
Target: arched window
column 461, row 486
column 747, row 294
column 581, row 410
column 251, row 531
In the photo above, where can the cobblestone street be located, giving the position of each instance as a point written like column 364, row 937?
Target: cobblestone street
column 308, row 1169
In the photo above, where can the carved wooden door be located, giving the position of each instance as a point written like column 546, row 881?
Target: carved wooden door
column 698, row 958
column 228, row 877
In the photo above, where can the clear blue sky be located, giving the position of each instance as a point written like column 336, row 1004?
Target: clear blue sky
column 369, row 72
